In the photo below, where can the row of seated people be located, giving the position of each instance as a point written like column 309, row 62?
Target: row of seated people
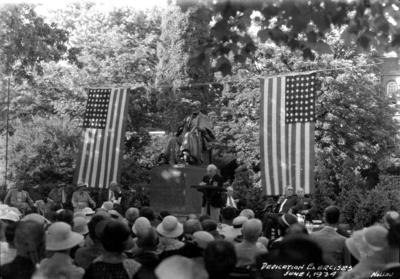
column 19, row 198
column 102, row 244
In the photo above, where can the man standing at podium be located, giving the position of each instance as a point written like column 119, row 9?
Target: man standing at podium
column 212, row 179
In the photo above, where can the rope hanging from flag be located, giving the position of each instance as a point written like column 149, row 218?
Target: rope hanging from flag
column 287, row 132
column 102, row 141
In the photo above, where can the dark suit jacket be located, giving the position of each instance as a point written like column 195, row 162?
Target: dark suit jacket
column 216, row 200
column 242, row 202
column 149, row 262
column 306, row 204
column 333, row 246
column 290, row 202
column 105, row 194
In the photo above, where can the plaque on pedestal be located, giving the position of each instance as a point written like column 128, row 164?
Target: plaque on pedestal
column 170, row 188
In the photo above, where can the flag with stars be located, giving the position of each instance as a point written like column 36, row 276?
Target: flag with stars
column 287, row 132
column 102, row 141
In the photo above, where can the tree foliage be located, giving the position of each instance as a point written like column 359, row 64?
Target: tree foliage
column 26, row 41
column 300, row 25
column 181, row 36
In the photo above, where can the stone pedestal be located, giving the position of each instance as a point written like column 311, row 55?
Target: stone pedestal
column 170, row 189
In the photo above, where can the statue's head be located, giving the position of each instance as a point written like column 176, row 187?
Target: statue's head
column 195, row 106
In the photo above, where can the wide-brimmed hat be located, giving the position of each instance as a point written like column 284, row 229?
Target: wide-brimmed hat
column 80, row 225
column 4, row 206
column 202, row 238
column 81, row 184
column 9, row 215
column 36, row 218
column 79, row 214
column 368, row 243
column 16, row 210
column 170, row 227
column 239, row 221
column 59, row 236
column 140, row 223
column 286, row 220
column 107, row 205
column 179, row 267
column 88, row 211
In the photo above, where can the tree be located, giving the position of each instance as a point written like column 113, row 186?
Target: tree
column 300, row 25
column 354, row 117
column 26, row 41
column 181, row 36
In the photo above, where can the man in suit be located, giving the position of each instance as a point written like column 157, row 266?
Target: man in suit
column 229, row 201
column 247, row 250
column 305, row 206
column 332, row 243
column 113, row 194
column 18, row 198
column 147, row 240
column 285, row 203
column 212, row 179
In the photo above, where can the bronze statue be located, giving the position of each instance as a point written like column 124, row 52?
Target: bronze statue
column 194, row 135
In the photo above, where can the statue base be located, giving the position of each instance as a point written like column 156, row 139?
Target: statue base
column 170, row 188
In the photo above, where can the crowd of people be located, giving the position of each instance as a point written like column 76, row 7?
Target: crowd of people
column 52, row 242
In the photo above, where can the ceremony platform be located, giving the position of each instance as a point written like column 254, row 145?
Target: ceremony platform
column 170, row 188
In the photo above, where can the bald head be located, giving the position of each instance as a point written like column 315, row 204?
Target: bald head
column 147, row 238
column 131, row 214
column 252, row 230
column 211, row 170
column 192, row 217
column 191, row 226
column 113, row 185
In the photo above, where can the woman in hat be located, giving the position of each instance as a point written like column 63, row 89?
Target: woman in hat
column 57, row 195
column 80, row 198
column 371, row 247
column 116, row 238
column 60, row 239
column 169, row 231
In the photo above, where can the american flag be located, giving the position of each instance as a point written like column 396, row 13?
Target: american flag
column 102, row 141
column 287, row 132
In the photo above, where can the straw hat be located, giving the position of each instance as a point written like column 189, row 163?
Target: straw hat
column 10, row 215
column 81, row 184
column 4, row 206
column 170, row 227
column 16, row 210
column 179, row 267
column 88, row 211
column 140, row 223
column 368, row 243
column 80, row 225
column 60, row 237
column 202, row 238
column 79, row 214
column 108, row 205
column 286, row 220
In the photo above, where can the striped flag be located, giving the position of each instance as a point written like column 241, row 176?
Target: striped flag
column 287, row 132
column 102, row 141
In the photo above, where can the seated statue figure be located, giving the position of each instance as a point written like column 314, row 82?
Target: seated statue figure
column 194, row 135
